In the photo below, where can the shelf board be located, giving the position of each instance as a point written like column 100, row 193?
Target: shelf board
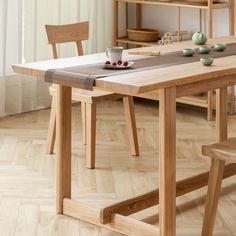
column 216, row 5
column 127, row 41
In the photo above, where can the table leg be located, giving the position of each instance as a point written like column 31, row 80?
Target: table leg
column 63, row 151
column 167, row 156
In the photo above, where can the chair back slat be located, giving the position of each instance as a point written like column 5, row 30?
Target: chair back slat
column 68, row 33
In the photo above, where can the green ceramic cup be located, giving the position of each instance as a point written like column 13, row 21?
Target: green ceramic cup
column 207, row 61
column 204, row 49
column 188, row 52
column 219, row 47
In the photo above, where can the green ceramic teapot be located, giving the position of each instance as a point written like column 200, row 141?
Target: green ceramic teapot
column 199, row 38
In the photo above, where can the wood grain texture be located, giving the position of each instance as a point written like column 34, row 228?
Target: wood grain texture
column 131, row 124
column 52, row 128
column 225, row 150
column 67, row 33
column 213, row 194
column 90, row 134
column 231, row 17
column 221, row 114
column 210, row 104
column 167, row 159
column 63, row 148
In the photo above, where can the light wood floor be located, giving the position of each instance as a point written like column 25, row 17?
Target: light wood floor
column 27, row 189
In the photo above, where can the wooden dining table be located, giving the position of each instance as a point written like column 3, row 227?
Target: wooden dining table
column 167, row 84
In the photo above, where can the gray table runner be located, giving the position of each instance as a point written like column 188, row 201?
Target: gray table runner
column 85, row 76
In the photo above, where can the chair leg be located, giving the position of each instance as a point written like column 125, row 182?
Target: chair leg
column 231, row 100
column 52, row 128
column 213, row 194
column 90, row 135
column 131, row 124
column 83, row 113
column 209, row 105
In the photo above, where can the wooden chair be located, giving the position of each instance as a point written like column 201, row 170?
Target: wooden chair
column 220, row 153
column 77, row 33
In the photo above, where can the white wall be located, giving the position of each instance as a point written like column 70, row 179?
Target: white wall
column 165, row 19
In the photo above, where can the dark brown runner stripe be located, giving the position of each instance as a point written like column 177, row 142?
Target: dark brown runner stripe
column 84, row 76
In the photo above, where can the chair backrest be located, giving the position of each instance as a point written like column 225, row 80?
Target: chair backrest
column 67, row 33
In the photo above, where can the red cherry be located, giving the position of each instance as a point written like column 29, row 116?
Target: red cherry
column 114, row 64
column 107, row 63
column 126, row 63
column 119, row 62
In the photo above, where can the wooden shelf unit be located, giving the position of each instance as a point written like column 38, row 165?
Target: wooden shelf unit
column 208, row 7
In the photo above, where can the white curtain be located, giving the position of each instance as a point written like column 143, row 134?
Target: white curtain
column 23, row 39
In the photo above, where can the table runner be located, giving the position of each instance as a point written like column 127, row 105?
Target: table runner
column 85, row 76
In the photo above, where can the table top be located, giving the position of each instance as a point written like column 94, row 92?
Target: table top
column 148, row 80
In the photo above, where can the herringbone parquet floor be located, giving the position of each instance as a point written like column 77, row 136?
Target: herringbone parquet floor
column 27, row 189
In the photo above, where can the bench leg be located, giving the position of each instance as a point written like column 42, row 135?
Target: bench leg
column 213, row 194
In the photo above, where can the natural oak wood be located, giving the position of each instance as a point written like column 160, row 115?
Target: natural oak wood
column 214, row 185
column 131, row 227
column 166, row 76
column 231, row 17
column 130, row 117
column 90, row 134
column 231, row 99
column 118, row 222
column 139, row 203
column 167, row 159
column 225, row 150
column 52, row 127
column 179, row 22
column 77, row 33
column 67, row 33
column 209, row 105
column 63, row 149
column 217, row 165
column 210, row 18
column 200, row 20
column 138, row 15
column 83, row 113
column 187, row 4
column 221, row 114
column 81, row 211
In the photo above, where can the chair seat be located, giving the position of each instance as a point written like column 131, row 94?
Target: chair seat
column 225, row 150
column 87, row 95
